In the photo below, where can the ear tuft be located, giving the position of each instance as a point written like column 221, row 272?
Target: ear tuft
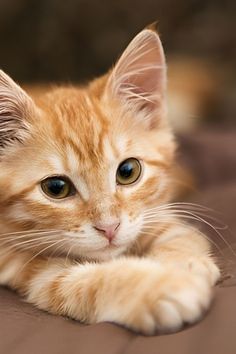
column 15, row 107
column 139, row 77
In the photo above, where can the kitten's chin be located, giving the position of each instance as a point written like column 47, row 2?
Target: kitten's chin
column 105, row 254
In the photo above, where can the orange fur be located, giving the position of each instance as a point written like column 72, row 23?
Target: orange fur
column 155, row 274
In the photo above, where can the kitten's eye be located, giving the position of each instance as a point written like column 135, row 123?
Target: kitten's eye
column 57, row 187
column 128, row 171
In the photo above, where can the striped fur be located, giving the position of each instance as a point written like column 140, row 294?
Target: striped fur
column 155, row 275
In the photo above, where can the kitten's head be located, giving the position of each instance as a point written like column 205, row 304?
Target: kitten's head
column 86, row 165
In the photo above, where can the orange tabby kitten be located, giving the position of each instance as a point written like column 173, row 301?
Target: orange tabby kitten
column 85, row 181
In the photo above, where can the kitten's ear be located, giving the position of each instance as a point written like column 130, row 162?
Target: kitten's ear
column 139, row 77
column 15, row 107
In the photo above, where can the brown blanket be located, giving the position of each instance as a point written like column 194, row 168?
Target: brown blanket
column 26, row 330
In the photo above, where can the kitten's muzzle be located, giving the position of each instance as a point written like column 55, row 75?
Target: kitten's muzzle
column 107, row 230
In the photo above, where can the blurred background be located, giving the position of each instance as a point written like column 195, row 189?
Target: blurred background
column 75, row 40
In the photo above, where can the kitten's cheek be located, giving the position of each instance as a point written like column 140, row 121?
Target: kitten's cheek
column 128, row 232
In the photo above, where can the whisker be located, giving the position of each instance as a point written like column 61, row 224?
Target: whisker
column 11, row 238
column 198, row 206
column 68, row 253
column 40, row 252
column 192, row 209
column 31, row 246
column 22, row 240
column 199, row 218
column 191, row 216
column 29, row 231
column 173, row 222
column 54, row 252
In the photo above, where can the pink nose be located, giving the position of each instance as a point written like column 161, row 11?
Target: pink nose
column 108, row 230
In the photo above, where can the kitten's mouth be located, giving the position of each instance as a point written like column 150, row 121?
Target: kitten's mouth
column 110, row 246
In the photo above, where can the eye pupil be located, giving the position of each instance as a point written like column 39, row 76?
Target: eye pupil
column 128, row 171
column 56, row 186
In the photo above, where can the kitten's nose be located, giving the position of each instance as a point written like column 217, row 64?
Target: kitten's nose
column 108, row 230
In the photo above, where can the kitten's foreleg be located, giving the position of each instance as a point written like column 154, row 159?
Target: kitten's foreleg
column 170, row 286
column 185, row 247
column 140, row 294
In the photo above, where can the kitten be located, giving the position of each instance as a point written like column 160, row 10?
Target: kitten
column 87, row 230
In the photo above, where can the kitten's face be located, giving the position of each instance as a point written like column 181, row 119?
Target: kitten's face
column 90, row 167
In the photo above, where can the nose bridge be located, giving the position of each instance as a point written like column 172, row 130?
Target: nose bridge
column 103, row 204
column 103, row 208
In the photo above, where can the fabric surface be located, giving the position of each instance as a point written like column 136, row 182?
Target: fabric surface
column 25, row 329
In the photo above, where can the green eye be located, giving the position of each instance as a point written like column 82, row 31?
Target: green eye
column 57, row 187
column 128, row 171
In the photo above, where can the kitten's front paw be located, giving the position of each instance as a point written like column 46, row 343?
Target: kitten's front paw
column 154, row 300
column 205, row 267
column 182, row 299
